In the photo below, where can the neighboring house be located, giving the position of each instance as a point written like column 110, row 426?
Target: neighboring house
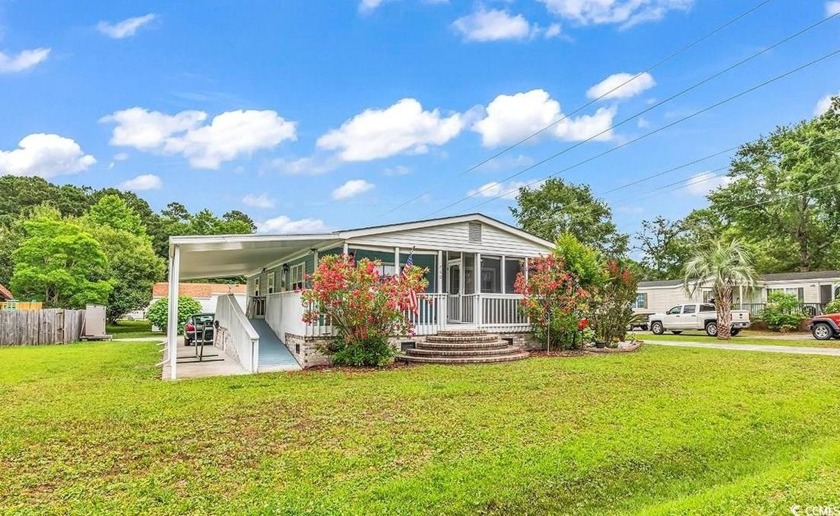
column 472, row 262
column 207, row 294
column 814, row 290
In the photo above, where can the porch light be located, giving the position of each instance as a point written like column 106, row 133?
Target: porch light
column 285, row 268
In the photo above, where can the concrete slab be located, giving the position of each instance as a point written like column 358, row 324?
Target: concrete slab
column 224, row 367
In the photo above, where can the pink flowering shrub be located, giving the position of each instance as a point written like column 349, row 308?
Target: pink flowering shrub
column 553, row 300
column 363, row 308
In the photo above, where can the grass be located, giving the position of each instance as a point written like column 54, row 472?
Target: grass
column 747, row 337
column 88, row 428
column 138, row 329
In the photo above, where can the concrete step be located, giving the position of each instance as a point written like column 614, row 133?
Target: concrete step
column 495, row 344
column 463, row 360
column 507, row 350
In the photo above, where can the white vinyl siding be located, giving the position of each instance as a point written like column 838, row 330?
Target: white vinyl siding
column 456, row 237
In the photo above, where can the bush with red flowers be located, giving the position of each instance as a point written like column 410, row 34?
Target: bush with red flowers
column 364, row 308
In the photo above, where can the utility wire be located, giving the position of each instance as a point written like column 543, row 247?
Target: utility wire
column 694, row 180
column 654, row 106
column 593, row 101
column 672, row 124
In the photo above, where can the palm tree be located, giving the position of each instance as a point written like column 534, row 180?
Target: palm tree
column 723, row 266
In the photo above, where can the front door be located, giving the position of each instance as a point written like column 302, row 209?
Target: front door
column 453, row 282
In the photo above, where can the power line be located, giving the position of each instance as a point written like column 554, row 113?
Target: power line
column 672, row 124
column 593, row 101
column 712, row 174
column 670, row 170
column 654, row 106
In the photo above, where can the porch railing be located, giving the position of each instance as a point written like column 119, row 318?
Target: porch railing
column 243, row 337
column 501, row 312
column 807, row 309
column 284, row 314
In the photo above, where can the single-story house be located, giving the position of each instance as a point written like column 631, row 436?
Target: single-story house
column 472, row 263
column 814, row 290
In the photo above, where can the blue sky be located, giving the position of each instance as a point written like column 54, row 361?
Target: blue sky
column 331, row 114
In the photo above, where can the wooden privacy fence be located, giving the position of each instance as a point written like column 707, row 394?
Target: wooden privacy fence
column 33, row 327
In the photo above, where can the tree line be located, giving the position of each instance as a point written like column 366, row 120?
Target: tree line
column 780, row 199
column 71, row 245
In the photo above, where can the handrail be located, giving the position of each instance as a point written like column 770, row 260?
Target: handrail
column 231, row 317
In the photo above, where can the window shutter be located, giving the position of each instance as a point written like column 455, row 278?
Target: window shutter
column 474, row 232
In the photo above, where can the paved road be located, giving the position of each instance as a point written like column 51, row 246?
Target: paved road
column 748, row 347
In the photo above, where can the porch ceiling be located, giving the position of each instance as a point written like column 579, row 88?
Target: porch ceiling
column 222, row 256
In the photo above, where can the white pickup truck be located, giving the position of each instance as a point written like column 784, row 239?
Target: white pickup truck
column 695, row 316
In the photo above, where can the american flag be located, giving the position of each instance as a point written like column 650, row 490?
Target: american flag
column 412, row 296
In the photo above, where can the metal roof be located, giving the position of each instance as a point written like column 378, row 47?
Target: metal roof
column 764, row 278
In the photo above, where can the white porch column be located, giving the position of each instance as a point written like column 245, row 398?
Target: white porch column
column 397, row 261
column 504, row 283
column 172, row 321
column 478, row 288
column 740, row 297
column 440, row 272
column 526, row 269
column 346, row 249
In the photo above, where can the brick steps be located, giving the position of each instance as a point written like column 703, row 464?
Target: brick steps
column 463, row 347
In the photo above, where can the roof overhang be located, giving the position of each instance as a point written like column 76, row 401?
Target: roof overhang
column 239, row 255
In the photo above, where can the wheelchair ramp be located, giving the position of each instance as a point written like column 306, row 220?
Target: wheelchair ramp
column 274, row 355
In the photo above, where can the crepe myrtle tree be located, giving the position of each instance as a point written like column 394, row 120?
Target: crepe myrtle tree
column 553, row 300
column 364, row 308
column 723, row 267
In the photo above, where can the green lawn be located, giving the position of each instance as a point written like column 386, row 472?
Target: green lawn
column 747, row 337
column 133, row 330
column 89, row 428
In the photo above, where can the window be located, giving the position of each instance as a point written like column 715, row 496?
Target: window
column 475, row 232
column 799, row 292
column 675, row 311
column 491, row 275
column 270, row 283
column 296, row 273
column 708, row 308
column 641, row 300
column 257, row 286
column 689, row 309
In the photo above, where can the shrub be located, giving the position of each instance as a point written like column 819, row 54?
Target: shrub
column 833, row 307
column 364, row 309
column 783, row 311
column 159, row 312
column 613, row 303
column 553, row 301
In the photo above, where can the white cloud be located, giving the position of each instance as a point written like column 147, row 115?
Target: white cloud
column 310, row 165
column 285, row 225
column 369, row 5
column 228, row 136
column 399, row 170
column 501, row 190
column 511, row 118
column 492, row 25
column 643, row 123
column 553, row 30
column 142, row 182
column 121, row 156
column 351, row 188
column 45, row 155
column 125, row 28
column 824, row 104
column 258, row 201
column 623, row 12
column 832, row 8
column 380, row 133
column 705, row 182
column 614, row 87
column 25, row 60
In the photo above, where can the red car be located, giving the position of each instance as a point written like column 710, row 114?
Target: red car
column 825, row 327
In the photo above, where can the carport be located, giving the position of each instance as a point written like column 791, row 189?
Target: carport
column 195, row 257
